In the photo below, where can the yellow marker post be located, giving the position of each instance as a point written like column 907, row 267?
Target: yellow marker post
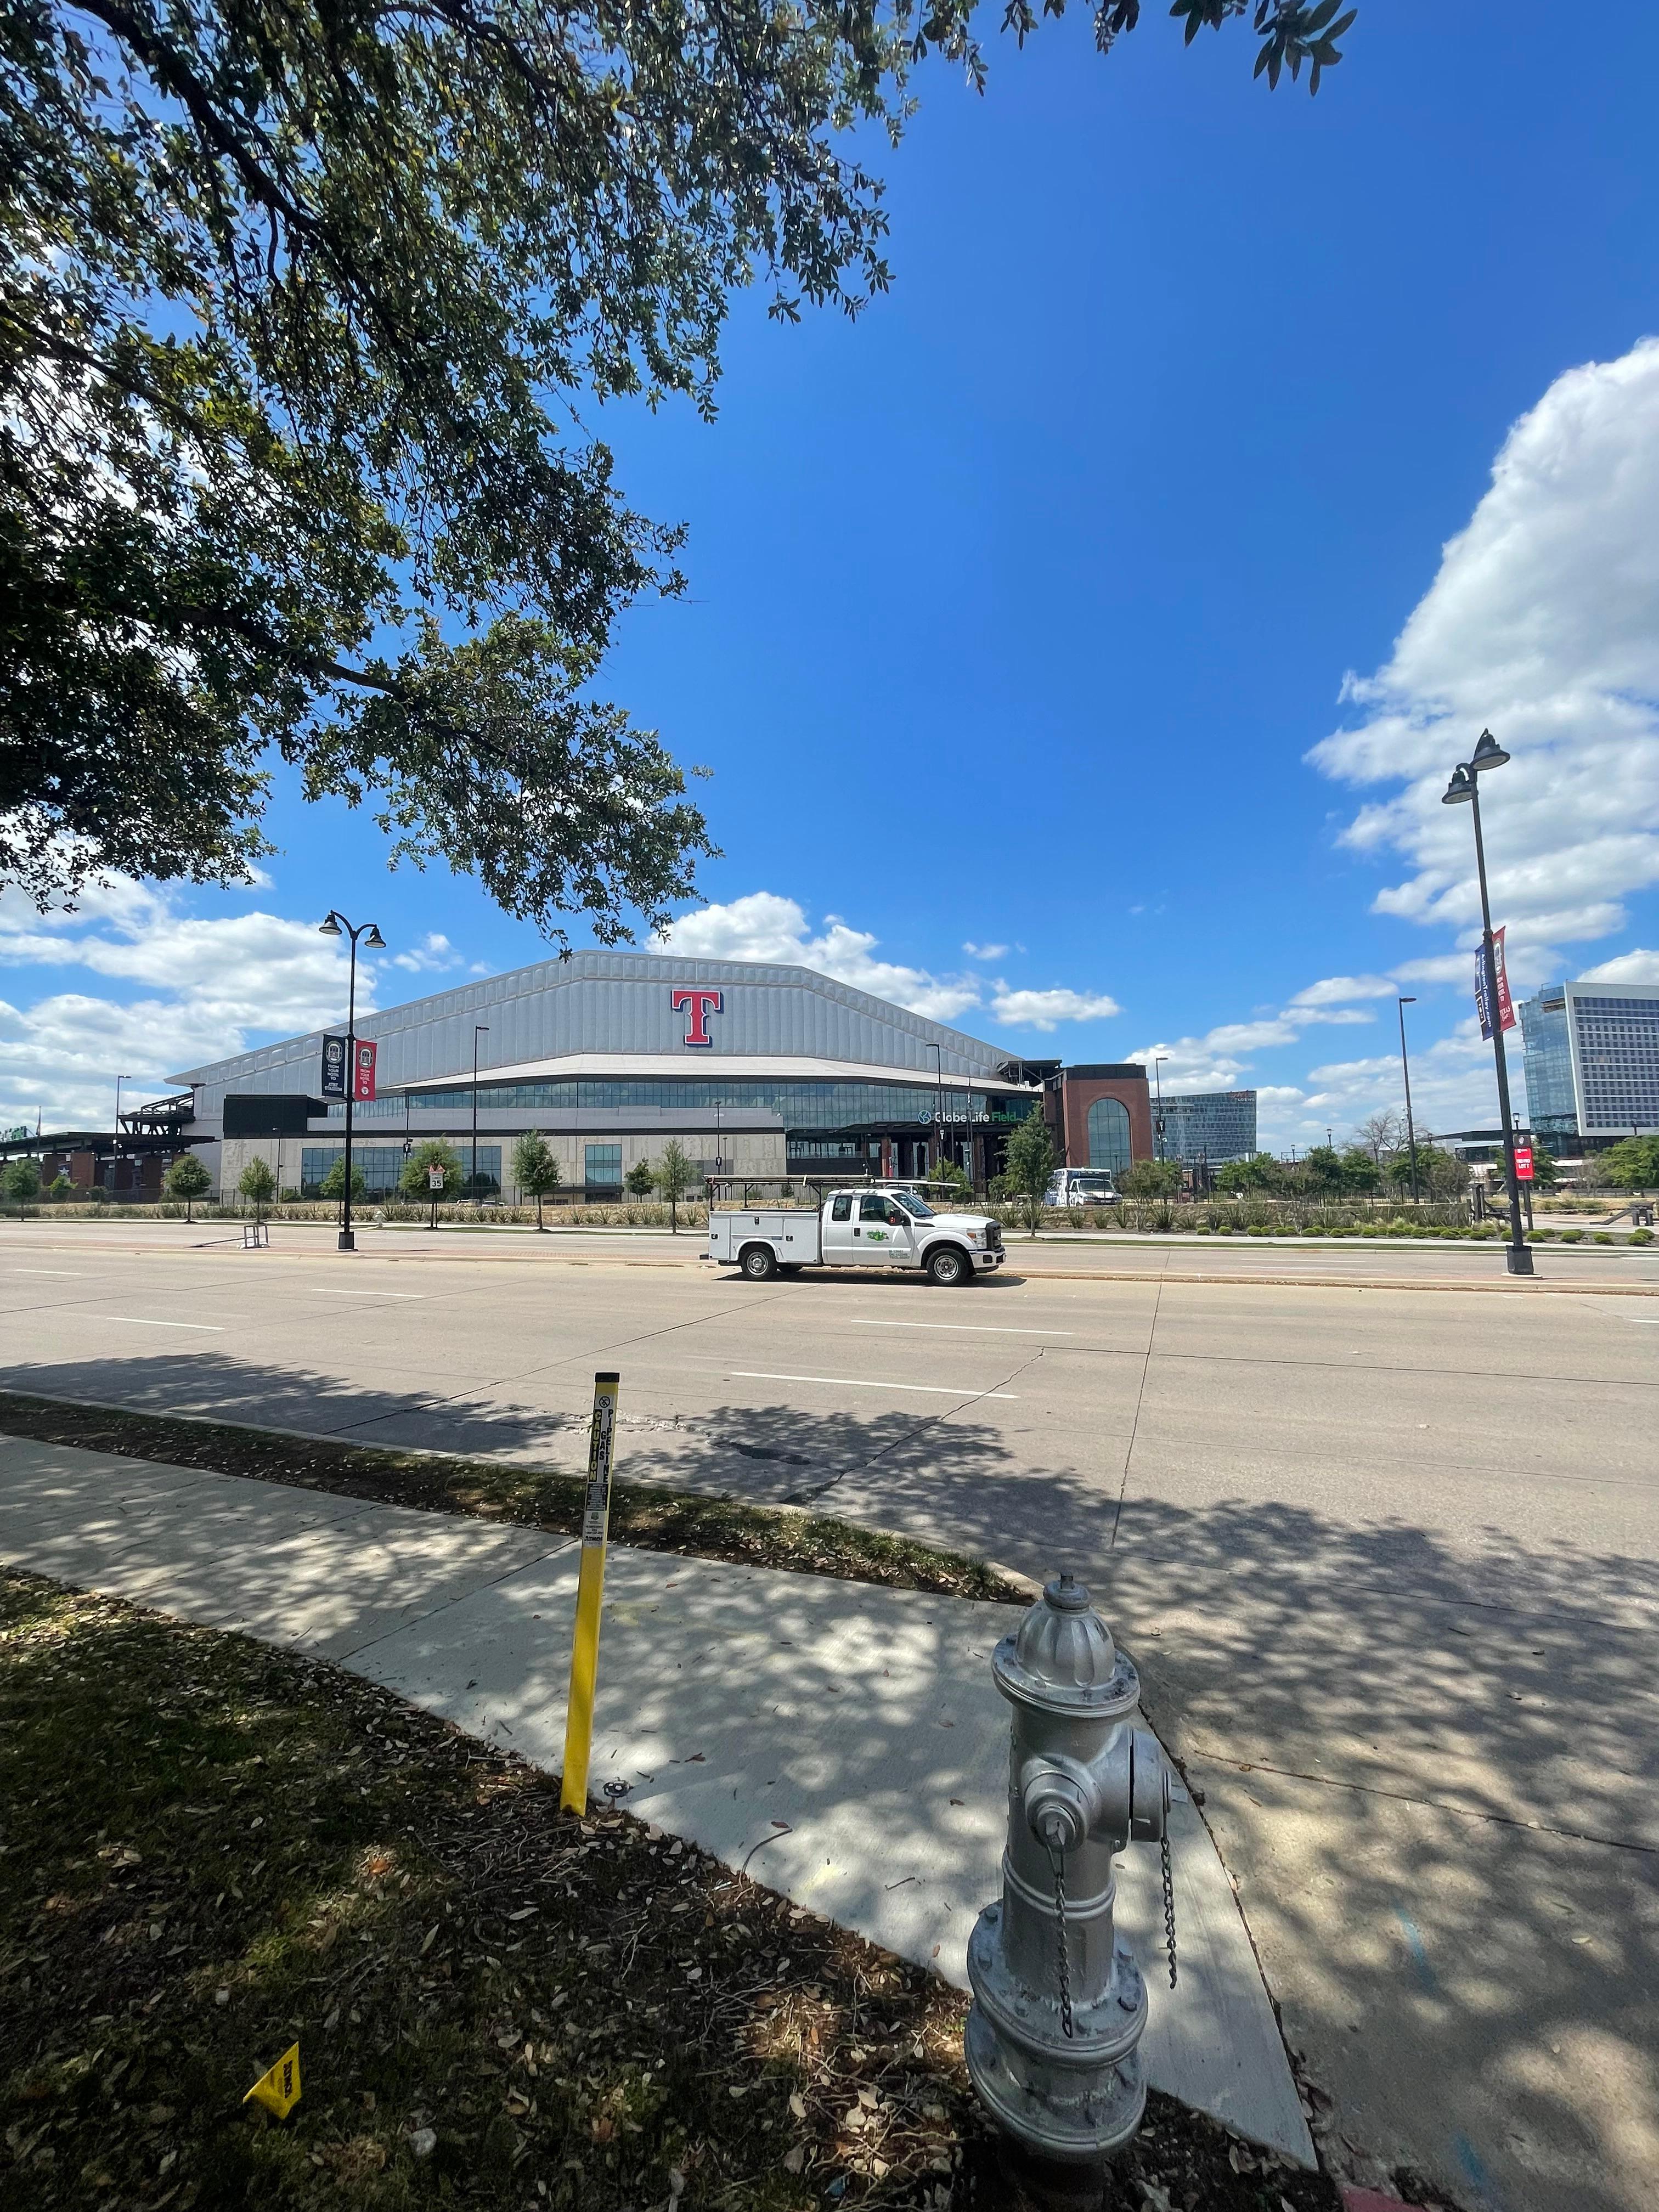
column 590, row 1594
column 279, row 2090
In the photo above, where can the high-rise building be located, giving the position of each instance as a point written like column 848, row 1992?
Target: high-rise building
column 1208, row 1125
column 1592, row 1060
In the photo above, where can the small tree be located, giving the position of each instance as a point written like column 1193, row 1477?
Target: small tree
column 1382, row 1134
column 674, row 1176
column 333, row 1184
column 22, row 1183
column 640, row 1179
column 1150, row 1179
column 258, row 1185
column 1545, row 1172
column 1632, row 1163
column 536, row 1169
column 1261, row 1171
column 952, row 1177
column 415, row 1181
column 189, row 1180
column 1029, row 1163
column 60, row 1187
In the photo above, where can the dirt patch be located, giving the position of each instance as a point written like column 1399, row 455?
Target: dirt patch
column 213, row 1850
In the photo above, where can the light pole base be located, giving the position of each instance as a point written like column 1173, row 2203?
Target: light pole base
column 1518, row 1260
column 348, row 1243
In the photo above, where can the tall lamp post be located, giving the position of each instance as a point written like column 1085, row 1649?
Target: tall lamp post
column 1464, row 790
column 1405, row 1070
column 335, row 924
column 479, row 1029
column 1157, row 1132
column 938, row 1103
column 120, row 1080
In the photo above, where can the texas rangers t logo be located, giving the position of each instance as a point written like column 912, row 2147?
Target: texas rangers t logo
column 702, row 1004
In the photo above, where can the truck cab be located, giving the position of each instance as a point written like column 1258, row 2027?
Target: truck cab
column 1080, row 1187
column 872, row 1225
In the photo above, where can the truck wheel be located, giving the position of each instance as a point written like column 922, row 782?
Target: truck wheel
column 949, row 1266
column 759, row 1262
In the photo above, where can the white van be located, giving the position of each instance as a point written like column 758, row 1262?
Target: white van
column 1080, row 1187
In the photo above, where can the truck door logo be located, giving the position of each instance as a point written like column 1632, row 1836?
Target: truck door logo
column 701, row 1005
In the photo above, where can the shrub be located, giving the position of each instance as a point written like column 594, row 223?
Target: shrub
column 1572, row 1235
column 1641, row 1237
column 1601, row 1238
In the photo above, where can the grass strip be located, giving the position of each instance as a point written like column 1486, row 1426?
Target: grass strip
column 213, row 1850
column 650, row 1519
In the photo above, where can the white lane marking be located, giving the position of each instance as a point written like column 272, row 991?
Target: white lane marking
column 1643, row 1321
column 958, row 1327
column 140, row 1320
column 416, row 1296
column 58, row 1274
column 855, row 1382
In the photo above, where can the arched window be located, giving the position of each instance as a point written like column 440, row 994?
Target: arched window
column 1108, row 1135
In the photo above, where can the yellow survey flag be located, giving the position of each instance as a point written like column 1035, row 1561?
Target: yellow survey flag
column 280, row 2088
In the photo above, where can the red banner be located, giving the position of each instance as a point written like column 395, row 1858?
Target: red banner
column 362, row 1073
column 1505, row 1008
column 1523, row 1163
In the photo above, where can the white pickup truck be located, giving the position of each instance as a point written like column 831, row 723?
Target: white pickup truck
column 861, row 1228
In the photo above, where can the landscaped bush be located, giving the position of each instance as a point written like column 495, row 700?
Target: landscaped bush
column 1641, row 1237
column 1572, row 1235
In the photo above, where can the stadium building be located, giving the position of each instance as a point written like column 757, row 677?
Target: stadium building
column 761, row 1072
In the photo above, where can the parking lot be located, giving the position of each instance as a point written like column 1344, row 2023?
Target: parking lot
column 1388, row 1557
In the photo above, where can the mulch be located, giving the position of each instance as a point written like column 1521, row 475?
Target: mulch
column 212, row 1849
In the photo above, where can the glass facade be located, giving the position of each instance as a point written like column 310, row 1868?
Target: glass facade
column 1208, row 1127
column 381, row 1167
column 1108, row 1135
column 810, row 1104
column 1552, row 1104
column 602, row 1170
column 1618, row 1042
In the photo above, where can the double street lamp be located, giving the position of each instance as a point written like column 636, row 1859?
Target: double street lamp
column 335, row 924
column 1464, row 790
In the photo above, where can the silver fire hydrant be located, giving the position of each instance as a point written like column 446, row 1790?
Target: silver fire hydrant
column 1058, row 2002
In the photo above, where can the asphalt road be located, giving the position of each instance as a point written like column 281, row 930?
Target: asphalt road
column 1389, row 1559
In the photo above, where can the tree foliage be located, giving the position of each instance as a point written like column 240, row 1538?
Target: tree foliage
column 333, row 1184
column 300, row 309
column 674, row 1174
column 21, row 1182
column 1027, row 1163
column 1633, row 1164
column 187, row 1179
column 536, row 1169
column 257, row 1184
column 1150, row 1179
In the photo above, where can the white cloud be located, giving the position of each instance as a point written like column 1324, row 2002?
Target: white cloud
column 1634, row 967
column 434, row 956
column 1338, row 990
column 209, row 988
column 1542, row 623
column 986, row 952
column 1044, row 1010
column 761, row 926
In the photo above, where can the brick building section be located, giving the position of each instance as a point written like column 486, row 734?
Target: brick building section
column 1069, row 1094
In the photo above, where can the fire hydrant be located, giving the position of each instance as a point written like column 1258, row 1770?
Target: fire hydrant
column 1058, row 2002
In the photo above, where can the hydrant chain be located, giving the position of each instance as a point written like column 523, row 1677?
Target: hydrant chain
column 1169, row 1909
column 1059, row 1858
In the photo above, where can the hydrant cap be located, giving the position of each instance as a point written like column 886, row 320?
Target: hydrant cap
column 1063, row 1657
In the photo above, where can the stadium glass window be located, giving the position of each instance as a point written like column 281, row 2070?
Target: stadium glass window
column 1108, row 1135
column 602, row 1167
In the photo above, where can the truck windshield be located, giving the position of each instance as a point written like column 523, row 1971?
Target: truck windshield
column 916, row 1207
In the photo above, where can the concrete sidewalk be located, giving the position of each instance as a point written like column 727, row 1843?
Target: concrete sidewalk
column 844, row 1744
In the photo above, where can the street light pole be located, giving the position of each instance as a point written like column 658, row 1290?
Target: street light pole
column 1406, row 1069
column 120, row 1080
column 1465, row 789
column 938, row 1104
column 335, row 924
column 479, row 1029
column 1157, row 1132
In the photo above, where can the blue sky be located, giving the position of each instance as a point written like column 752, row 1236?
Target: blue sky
column 1018, row 607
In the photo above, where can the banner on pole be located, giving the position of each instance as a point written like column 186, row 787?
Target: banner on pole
column 1523, row 1163
column 1505, row 1004
column 590, row 1594
column 334, row 1067
column 362, row 1085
